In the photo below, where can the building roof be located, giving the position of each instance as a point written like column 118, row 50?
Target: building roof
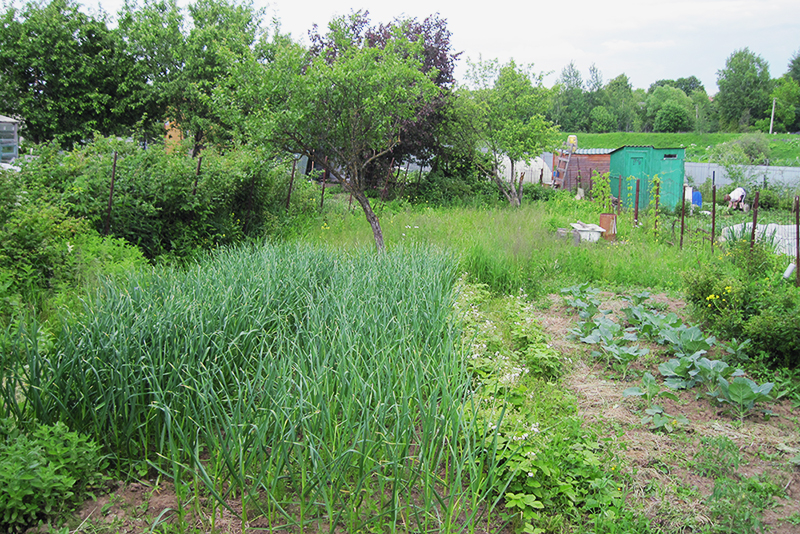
column 3, row 118
column 650, row 146
column 594, row 151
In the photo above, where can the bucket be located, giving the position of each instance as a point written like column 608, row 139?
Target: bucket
column 608, row 221
column 789, row 270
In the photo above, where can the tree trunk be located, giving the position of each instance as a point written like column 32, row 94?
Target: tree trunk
column 198, row 146
column 372, row 219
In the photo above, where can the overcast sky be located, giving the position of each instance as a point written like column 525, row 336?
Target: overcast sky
column 645, row 39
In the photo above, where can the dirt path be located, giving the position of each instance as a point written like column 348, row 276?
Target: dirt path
column 670, row 471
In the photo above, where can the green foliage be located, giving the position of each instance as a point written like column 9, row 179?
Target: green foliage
column 159, row 202
column 503, row 112
column 621, row 100
column 673, row 117
column 717, row 457
column 756, row 148
column 601, row 191
column 736, row 506
column 66, row 73
column 741, row 294
column 547, row 478
column 786, row 98
column 744, row 89
column 570, row 107
column 655, row 416
column 669, row 109
column 180, row 58
column 742, row 394
column 453, row 185
column 649, row 390
column 355, row 104
column 299, row 373
column 658, row 419
column 602, row 120
column 44, row 474
column 45, row 252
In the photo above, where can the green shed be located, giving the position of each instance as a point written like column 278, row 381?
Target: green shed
column 645, row 162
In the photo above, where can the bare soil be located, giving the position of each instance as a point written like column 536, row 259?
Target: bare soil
column 666, row 468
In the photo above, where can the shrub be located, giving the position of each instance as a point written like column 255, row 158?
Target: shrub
column 45, row 252
column 776, row 331
column 741, row 294
column 160, row 203
column 756, row 147
column 673, row 117
column 44, row 474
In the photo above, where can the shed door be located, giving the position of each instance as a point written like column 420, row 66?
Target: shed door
column 638, row 169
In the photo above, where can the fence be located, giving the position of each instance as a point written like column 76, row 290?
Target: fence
column 757, row 175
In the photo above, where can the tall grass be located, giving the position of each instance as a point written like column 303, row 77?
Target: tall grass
column 311, row 386
column 511, row 249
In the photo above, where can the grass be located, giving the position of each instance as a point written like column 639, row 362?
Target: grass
column 513, row 249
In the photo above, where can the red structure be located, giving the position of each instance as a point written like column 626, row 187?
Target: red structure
column 581, row 165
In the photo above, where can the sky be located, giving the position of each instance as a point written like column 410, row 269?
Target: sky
column 645, row 39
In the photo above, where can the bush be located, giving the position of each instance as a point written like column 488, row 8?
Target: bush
column 776, row 332
column 768, row 199
column 448, row 185
column 742, row 294
column 159, row 202
column 44, row 474
column 45, row 252
column 756, row 147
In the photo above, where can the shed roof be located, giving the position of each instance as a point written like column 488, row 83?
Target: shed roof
column 649, row 146
column 594, row 151
column 3, row 118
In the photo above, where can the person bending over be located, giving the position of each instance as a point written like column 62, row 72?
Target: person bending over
column 736, row 198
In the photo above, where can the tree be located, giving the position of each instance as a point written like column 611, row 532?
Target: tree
column 744, row 89
column 786, row 96
column 503, row 115
column 343, row 112
column 153, row 36
column 603, row 120
column 689, row 85
column 418, row 143
column 569, row 109
column 794, row 67
column 619, row 99
column 660, row 83
column 594, row 87
column 65, row 73
column 705, row 117
column 673, row 98
column 672, row 117
column 183, row 66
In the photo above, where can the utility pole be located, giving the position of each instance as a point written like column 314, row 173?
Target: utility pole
column 772, row 119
